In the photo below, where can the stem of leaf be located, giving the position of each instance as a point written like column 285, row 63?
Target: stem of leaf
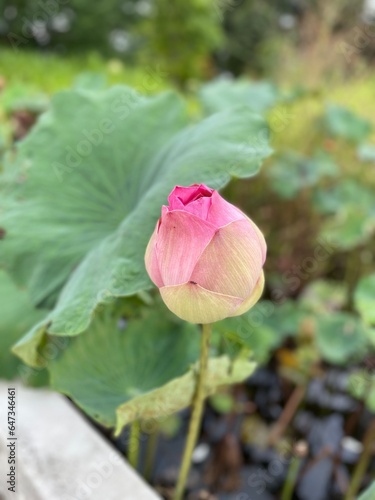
column 300, row 451
column 197, row 412
column 152, row 443
column 291, row 479
column 133, row 449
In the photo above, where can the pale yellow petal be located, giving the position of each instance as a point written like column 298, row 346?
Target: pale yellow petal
column 195, row 304
column 253, row 297
column 232, row 261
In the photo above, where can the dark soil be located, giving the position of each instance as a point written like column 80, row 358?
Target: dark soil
column 313, row 435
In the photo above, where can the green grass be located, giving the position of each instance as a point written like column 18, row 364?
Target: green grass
column 50, row 73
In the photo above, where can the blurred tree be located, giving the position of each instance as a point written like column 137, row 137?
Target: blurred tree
column 256, row 29
column 69, row 25
column 181, row 35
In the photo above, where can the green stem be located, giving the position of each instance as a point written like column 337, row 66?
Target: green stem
column 152, row 443
column 196, row 416
column 291, row 479
column 363, row 463
column 133, row 449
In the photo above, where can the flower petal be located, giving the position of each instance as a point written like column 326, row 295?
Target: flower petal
column 262, row 241
column 222, row 212
column 253, row 297
column 232, row 262
column 195, row 199
column 182, row 238
column 193, row 303
column 151, row 261
column 186, row 195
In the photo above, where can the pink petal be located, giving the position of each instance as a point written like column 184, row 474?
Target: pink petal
column 222, row 213
column 182, row 237
column 232, row 262
column 186, row 195
column 197, row 305
column 252, row 298
column 151, row 261
column 262, row 241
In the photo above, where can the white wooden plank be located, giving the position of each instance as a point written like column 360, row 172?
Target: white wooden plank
column 60, row 456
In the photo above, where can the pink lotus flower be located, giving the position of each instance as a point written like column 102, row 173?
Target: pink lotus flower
column 205, row 256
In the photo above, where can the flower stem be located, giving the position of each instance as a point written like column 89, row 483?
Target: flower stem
column 196, row 416
column 133, row 449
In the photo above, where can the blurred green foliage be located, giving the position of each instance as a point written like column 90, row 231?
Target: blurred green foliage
column 180, row 35
column 72, row 239
column 76, row 296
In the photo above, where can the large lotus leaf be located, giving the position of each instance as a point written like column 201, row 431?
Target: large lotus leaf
column 364, row 299
column 223, row 93
column 292, row 172
column 341, row 337
column 225, row 144
column 141, row 369
column 178, row 393
column 17, row 316
column 341, row 122
column 84, row 167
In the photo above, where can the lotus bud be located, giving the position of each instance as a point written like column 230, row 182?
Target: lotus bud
column 205, row 256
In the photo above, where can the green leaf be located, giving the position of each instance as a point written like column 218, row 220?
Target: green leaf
column 17, row 316
column 90, row 80
column 369, row 494
column 179, row 393
column 142, row 369
column 342, row 122
column 222, row 94
column 362, row 386
column 366, row 152
column 104, row 211
column 292, row 172
column 347, row 194
column 222, row 402
column 353, row 206
column 81, row 178
column 113, row 362
column 364, row 298
column 262, row 329
column 349, row 228
column 23, row 97
column 341, row 337
column 323, row 296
